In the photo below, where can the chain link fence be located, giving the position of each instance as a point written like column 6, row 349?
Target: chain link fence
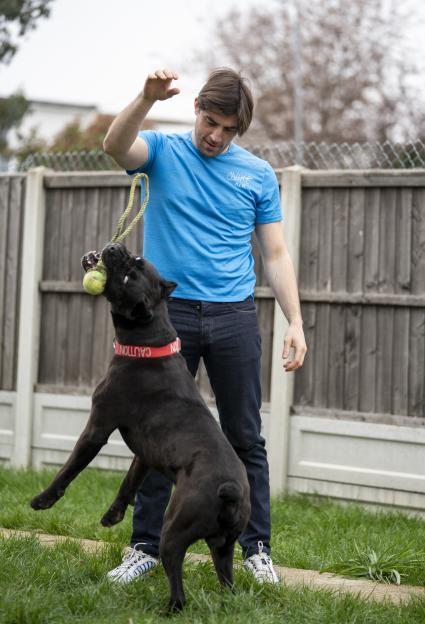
column 372, row 155
column 94, row 160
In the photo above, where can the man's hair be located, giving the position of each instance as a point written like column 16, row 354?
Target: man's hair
column 226, row 92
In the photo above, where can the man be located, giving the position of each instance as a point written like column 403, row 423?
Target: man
column 207, row 197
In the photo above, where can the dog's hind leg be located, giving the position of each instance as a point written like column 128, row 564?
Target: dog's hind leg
column 223, row 560
column 172, row 550
column 131, row 483
column 178, row 533
column 88, row 446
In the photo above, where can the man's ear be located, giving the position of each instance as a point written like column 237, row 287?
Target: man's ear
column 167, row 287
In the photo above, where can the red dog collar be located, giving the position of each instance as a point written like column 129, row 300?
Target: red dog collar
column 147, row 352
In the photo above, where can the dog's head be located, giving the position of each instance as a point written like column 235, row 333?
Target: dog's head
column 133, row 286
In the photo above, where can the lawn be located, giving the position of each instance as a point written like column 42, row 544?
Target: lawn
column 64, row 584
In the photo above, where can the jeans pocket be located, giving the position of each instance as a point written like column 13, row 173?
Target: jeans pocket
column 247, row 306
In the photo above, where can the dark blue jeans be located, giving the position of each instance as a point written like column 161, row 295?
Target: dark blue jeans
column 227, row 337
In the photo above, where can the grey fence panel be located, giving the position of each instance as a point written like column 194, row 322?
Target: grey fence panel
column 362, row 285
column 76, row 330
column 12, row 197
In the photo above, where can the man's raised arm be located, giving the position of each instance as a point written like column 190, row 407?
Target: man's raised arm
column 122, row 141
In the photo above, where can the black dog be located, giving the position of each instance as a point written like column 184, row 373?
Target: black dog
column 156, row 406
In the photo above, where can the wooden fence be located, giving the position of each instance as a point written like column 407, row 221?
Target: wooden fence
column 12, row 197
column 76, row 333
column 362, row 280
column 350, row 423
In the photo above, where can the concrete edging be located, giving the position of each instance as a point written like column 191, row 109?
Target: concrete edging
column 367, row 590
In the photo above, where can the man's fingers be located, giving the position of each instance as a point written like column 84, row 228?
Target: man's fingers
column 172, row 92
column 170, row 74
column 158, row 83
column 160, row 74
column 286, row 347
column 298, row 358
column 166, row 74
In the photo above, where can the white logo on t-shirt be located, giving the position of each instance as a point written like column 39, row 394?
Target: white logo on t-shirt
column 242, row 181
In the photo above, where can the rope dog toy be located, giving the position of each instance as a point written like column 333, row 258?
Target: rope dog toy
column 95, row 278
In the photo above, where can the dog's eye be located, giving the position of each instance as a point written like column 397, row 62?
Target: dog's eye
column 125, row 280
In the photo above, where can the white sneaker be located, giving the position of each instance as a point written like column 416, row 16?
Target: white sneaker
column 135, row 563
column 261, row 566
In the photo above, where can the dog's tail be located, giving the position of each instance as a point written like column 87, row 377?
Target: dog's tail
column 231, row 494
column 230, row 491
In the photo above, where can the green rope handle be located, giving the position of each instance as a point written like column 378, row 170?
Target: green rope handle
column 121, row 233
column 95, row 278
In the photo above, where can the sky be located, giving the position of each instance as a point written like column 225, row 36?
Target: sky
column 100, row 51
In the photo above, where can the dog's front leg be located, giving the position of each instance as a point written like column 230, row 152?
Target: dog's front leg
column 88, row 446
column 131, row 483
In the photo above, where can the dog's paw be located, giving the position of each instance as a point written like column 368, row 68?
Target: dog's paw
column 114, row 515
column 90, row 260
column 174, row 606
column 45, row 500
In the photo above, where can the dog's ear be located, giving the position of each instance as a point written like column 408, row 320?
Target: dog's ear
column 167, row 287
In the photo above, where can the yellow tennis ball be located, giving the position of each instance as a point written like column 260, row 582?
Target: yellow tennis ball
column 94, row 282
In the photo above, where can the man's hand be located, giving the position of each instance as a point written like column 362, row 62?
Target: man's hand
column 157, row 85
column 294, row 338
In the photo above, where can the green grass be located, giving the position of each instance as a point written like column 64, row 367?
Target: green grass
column 64, row 584
column 40, row 585
column 385, row 566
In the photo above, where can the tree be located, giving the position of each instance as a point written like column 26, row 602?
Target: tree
column 22, row 14
column 12, row 110
column 74, row 138
column 29, row 145
column 356, row 71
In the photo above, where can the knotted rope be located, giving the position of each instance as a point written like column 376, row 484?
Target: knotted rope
column 121, row 233
column 95, row 278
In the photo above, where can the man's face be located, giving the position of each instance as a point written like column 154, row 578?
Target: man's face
column 213, row 132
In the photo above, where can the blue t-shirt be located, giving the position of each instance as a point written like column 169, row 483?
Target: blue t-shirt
column 201, row 215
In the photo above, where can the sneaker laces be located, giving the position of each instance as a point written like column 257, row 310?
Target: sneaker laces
column 262, row 562
column 132, row 555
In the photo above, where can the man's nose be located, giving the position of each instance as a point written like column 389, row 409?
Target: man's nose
column 216, row 135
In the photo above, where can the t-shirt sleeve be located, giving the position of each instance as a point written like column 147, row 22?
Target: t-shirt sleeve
column 268, row 205
column 155, row 142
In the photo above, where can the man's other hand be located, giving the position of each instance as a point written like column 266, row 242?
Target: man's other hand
column 294, row 339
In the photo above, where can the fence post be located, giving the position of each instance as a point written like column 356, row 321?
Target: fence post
column 282, row 383
column 29, row 314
